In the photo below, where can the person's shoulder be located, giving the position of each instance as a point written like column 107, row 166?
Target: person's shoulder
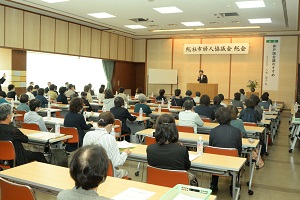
column 65, row 195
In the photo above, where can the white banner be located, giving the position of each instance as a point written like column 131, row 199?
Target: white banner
column 271, row 63
column 226, row 48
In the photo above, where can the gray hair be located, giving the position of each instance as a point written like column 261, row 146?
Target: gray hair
column 5, row 110
column 142, row 98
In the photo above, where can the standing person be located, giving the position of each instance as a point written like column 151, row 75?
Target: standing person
column 48, row 87
column 177, row 99
column 29, row 92
column 11, row 91
column 2, row 80
column 62, row 97
column 32, row 117
column 224, row 136
column 41, row 98
column 189, row 117
column 202, row 78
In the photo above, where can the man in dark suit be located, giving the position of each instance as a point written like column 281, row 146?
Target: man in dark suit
column 2, row 80
column 202, row 78
column 224, row 136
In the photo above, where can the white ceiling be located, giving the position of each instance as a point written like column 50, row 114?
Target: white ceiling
column 206, row 11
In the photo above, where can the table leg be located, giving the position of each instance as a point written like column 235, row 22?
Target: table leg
column 234, row 193
column 296, row 133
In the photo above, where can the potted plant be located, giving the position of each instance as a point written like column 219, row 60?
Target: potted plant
column 252, row 84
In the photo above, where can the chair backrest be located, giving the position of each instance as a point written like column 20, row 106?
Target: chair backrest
column 205, row 119
column 221, row 151
column 70, row 131
column 7, row 152
column 131, row 106
column 165, row 177
column 110, row 171
column 163, row 110
column 57, row 113
column 150, row 140
column 11, row 190
column 187, row 129
column 249, row 124
column 175, row 106
column 119, row 123
column 20, row 118
column 30, row 126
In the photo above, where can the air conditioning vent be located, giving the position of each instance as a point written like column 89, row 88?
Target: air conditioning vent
column 230, row 14
column 140, row 20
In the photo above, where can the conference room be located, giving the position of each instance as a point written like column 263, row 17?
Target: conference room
column 138, row 44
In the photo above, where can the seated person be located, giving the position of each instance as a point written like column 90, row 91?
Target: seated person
column 41, row 98
column 23, row 103
column 121, row 94
column 73, row 118
column 167, row 153
column 47, row 88
column 122, row 114
column 243, row 96
column 11, row 91
column 142, row 104
column 35, row 90
column 249, row 114
column 2, row 97
column 88, row 168
column 188, row 96
column 91, row 89
column 101, row 137
column 204, row 110
column 161, row 96
column 237, row 100
column 108, row 102
column 71, row 90
column 265, row 104
column 52, row 95
column 13, row 134
column 87, row 89
column 235, row 122
column 269, row 100
column 62, row 95
column 86, row 102
column 177, row 99
column 32, row 117
column 222, row 100
column 29, row 92
column 101, row 95
column 256, row 102
column 197, row 97
column 217, row 104
column 189, row 117
column 138, row 91
column 224, row 136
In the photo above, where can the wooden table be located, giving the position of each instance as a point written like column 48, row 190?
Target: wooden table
column 53, row 179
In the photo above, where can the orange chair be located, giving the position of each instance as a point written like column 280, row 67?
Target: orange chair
column 205, row 119
column 167, row 178
column 118, row 130
column 150, row 140
column 131, row 107
column 221, row 151
column 163, row 110
column 175, row 106
column 7, row 152
column 187, row 129
column 249, row 124
column 70, row 131
column 30, row 126
column 11, row 190
column 57, row 113
column 110, row 171
column 19, row 119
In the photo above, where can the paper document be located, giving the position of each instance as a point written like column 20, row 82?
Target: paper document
column 134, row 193
column 193, row 156
column 44, row 135
column 185, row 197
column 124, row 145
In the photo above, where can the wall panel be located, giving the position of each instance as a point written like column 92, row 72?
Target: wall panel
column 96, row 43
column 61, row 36
column 105, row 44
column 85, row 45
column 2, row 26
column 74, row 39
column 32, row 31
column 47, row 34
column 13, row 28
column 128, row 50
column 113, row 46
column 121, row 47
column 139, row 50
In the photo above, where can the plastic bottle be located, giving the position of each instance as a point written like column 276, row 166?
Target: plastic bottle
column 200, row 146
column 152, row 94
column 57, row 129
column 169, row 104
column 128, row 96
column 16, row 97
column 275, row 104
column 99, row 101
column 126, row 105
column 141, row 113
column 12, row 103
column 116, row 93
column 104, row 108
column 270, row 108
column 264, row 115
column 113, row 132
column 48, row 114
column 162, row 102
column 49, row 105
column 84, row 115
column 159, row 108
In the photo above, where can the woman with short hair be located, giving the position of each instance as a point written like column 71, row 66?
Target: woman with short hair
column 177, row 99
column 32, row 117
column 62, row 95
column 161, row 96
column 217, row 103
column 11, row 91
column 249, row 114
column 109, row 99
column 235, row 122
column 204, row 110
column 237, row 100
column 189, row 117
column 23, row 103
column 41, row 98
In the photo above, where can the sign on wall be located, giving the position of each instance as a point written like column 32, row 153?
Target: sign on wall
column 271, row 63
column 226, row 48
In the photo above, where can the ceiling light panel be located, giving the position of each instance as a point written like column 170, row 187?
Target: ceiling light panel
column 192, row 23
column 250, row 4
column 54, row 1
column 135, row 26
column 260, row 21
column 101, row 15
column 168, row 10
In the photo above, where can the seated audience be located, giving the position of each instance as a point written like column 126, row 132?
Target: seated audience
column 31, row 83
column 11, row 91
column 256, row 102
column 2, row 97
column 73, row 118
column 32, row 116
column 142, row 104
column 123, row 115
column 217, row 104
column 47, row 88
column 222, row 100
column 67, row 84
column 91, row 89
column 264, row 101
column 243, row 96
column 86, row 102
column 101, row 137
column 235, row 122
column 237, row 100
column 101, row 95
column 204, row 110
column 197, row 97
column 13, row 134
column 177, row 99
column 249, row 114
column 71, row 90
column 41, row 98
column 35, row 90
column 188, row 96
column 138, row 91
column 224, row 136
column 269, row 100
column 23, row 103
column 88, row 93
column 29, row 92
column 189, row 117
column 161, row 96
column 121, row 94
column 108, row 102
column 62, row 95
column 52, row 96
column 88, row 168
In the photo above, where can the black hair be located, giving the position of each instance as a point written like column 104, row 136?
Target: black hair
column 106, row 118
column 198, row 94
column 101, row 90
column 52, row 87
column 121, row 90
column 76, row 104
column 119, row 101
column 34, row 103
column 3, row 94
column 70, row 86
column 250, row 103
column 205, row 100
column 217, row 100
column 83, row 94
column 223, row 115
column 86, row 88
column 237, row 96
column 242, row 91
column 139, row 90
column 102, row 86
column 62, row 90
column 41, row 91
column 108, row 94
column 188, row 93
column 24, row 98
column 255, row 98
column 29, row 88
column 233, row 112
column 177, row 92
column 221, row 96
column 264, row 97
column 166, row 130
column 36, row 87
column 162, row 92
column 10, row 87
column 188, row 105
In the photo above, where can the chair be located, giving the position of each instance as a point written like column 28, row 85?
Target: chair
column 7, row 152
column 205, row 119
column 57, row 113
column 175, row 107
column 19, row 119
column 30, row 126
column 249, row 124
column 131, row 107
column 11, row 190
column 70, row 131
column 118, row 130
column 221, row 151
column 150, row 140
column 110, row 171
column 163, row 110
column 165, row 177
column 187, row 129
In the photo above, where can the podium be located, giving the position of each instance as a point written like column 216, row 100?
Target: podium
column 204, row 88
column 248, row 94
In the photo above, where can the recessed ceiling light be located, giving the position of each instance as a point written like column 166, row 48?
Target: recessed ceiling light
column 260, row 20
column 54, row 1
column 250, row 4
column 166, row 10
column 206, row 29
column 101, row 15
column 135, row 26
column 192, row 23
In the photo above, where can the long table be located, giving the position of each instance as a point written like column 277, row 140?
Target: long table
column 53, row 179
